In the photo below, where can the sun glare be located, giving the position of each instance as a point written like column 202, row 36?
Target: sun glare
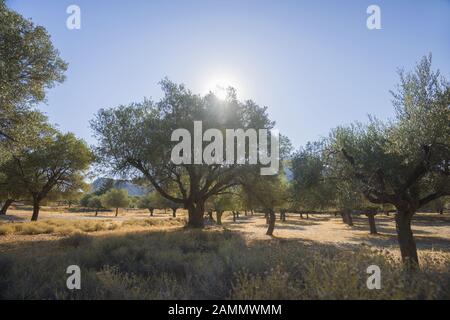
column 220, row 92
column 219, row 86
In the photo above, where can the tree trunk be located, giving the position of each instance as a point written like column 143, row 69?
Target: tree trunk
column 348, row 218
column 441, row 211
column 151, row 211
column 5, row 206
column 283, row 215
column 36, row 207
column 219, row 217
column 344, row 217
column 96, row 212
column 245, row 212
column 406, row 240
column 234, row 216
column 307, row 215
column 301, row 215
column 372, row 225
column 195, row 215
column 272, row 219
column 117, row 212
column 174, row 212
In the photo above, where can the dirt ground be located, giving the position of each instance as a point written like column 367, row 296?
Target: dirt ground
column 432, row 231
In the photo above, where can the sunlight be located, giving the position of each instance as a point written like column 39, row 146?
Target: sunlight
column 219, row 86
column 220, row 92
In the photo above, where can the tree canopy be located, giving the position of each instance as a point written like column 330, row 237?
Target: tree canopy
column 135, row 140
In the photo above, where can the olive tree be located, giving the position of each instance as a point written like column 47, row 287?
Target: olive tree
column 220, row 203
column 29, row 65
column 270, row 192
column 95, row 202
column 313, row 186
column 404, row 162
column 116, row 198
column 151, row 201
column 136, row 141
column 56, row 165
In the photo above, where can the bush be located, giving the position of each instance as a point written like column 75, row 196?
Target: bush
column 6, row 229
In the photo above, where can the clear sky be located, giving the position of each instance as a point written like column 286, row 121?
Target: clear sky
column 315, row 64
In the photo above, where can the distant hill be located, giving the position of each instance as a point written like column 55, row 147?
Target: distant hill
column 136, row 190
column 133, row 189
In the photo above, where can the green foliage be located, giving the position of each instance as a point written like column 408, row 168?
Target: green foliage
column 151, row 201
column 52, row 169
column 84, row 201
column 116, row 198
column 313, row 186
column 269, row 192
column 405, row 161
column 95, row 202
column 223, row 202
column 29, row 64
column 24, row 44
column 190, row 185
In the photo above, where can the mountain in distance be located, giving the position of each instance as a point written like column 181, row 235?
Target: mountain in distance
column 133, row 189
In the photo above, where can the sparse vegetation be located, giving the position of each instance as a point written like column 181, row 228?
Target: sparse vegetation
column 68, row 227
column 189, row 264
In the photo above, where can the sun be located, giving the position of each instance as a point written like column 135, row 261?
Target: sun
column 219, row 86
column 220, row 92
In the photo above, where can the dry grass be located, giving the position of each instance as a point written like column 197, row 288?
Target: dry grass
column 212, row 264
column 69, row 227
column 153, row 258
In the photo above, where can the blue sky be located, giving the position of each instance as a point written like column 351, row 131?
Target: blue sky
column 313, row 63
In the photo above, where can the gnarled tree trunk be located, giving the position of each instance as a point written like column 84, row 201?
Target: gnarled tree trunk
column 271, row 218
column 5, row 206
column 195, row 215
column 406, row 240
column 347, row 217
column 219, row 217
column 283, row 215
column 36, row 207
column 372, row 224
